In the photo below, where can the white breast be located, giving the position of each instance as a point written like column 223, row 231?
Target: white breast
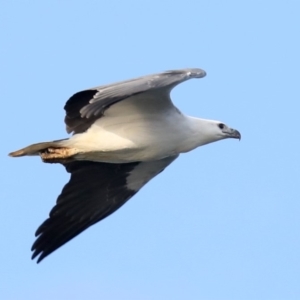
column 134, row 138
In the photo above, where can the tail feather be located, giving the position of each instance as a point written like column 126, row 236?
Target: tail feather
column 35, row 149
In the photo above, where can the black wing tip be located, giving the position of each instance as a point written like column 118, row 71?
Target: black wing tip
column 41, row 255
column 41, row 248
column 37, row 249
column 34, row 255
column 81, row 98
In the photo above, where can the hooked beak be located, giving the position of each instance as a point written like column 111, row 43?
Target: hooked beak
column 233, row 133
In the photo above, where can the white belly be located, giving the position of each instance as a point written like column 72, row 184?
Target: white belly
column 132, row 138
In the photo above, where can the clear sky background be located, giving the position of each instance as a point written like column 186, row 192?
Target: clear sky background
column 222, row 222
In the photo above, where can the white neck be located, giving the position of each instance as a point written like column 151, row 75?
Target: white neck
column 200, row 132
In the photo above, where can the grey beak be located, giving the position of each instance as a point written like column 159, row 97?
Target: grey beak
column 234, row 134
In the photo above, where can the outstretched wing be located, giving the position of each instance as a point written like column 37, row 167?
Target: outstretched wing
column 84, row 107
column 95, row 191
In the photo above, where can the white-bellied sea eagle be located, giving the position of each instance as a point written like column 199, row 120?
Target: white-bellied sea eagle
column 124, row 134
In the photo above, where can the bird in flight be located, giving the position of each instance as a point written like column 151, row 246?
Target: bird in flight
column 124, row 134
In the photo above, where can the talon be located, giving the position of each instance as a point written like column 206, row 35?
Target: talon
column 57, row 155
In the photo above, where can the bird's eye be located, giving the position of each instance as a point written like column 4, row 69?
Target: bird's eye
column 221, row 126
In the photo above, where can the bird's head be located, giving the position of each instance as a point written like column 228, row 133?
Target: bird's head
column 223, row 131
column 209, row 131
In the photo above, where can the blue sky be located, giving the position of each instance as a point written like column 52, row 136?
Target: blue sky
column 222, row 222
